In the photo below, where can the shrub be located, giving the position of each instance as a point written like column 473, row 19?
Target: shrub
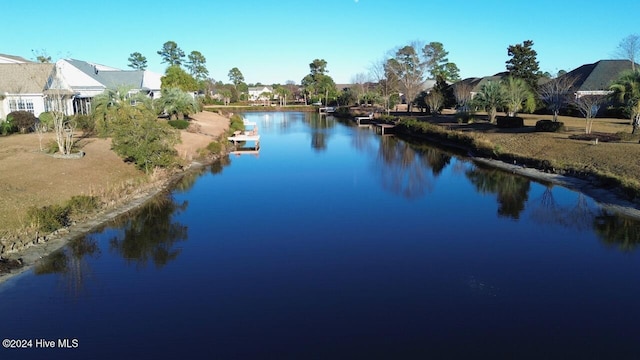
column 46, row 118
column 81, row 204
column 86, row 123
column 549, row 126
column 236, row 123
column 464, row 118
column 626, row 136
column 215, row 147
column 23, row 120
column 509, row 122
column 178, row 124
column 7, row 127
column 146, row 142
column 48, row 218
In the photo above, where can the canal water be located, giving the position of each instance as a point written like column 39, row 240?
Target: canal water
column 333, row 242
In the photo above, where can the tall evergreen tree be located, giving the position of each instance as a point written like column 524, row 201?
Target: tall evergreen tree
column 171, row 53
column 197, row 65
column 523, row 63
column 137, row 61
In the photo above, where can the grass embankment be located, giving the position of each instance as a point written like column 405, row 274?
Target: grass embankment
column 42, row 194
column 612, row 165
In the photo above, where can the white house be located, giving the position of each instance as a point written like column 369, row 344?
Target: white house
column 79, row 81
column 21, row 87
column 258, row 93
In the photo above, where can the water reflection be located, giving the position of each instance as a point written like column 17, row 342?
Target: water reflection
column 408, row 170
column 319, row 134
column 151, row 235
column 577, row 216
column 71, row 263
column 617, row 230
column 512, row 191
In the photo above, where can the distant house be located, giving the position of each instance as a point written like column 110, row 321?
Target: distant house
column 257, row 93
column 595, row 79
column 79, row 81
column 21, row 87
column 12, row 59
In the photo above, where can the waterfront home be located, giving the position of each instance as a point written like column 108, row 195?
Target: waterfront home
column 260, row 93
column 595, row 79
column 77, row 82
column 21, row 87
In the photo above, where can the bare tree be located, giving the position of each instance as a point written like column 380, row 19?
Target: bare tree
column 556, row 93
column 359, row 82
column 628, row 48
column 407, row 66
column 41, row 129
column 589, row 106
column 434, row 100
column 64, row 129
column 386, row 82
column 462, row 93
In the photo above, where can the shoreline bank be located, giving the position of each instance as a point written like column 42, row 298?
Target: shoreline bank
column 30, row 256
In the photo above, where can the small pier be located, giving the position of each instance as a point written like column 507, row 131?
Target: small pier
column 326, row 110
column 384, row 129
column 247, row 136
column 364, row 120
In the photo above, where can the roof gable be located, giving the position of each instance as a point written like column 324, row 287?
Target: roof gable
column 25, row 78
column 12, row 59
column 599, row 75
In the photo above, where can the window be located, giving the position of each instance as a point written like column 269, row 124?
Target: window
column 21, row 105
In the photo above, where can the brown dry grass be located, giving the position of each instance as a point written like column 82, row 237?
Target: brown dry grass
column 620, row 158
column 29, row 177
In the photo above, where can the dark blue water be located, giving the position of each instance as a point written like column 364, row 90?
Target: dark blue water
column 336, row 243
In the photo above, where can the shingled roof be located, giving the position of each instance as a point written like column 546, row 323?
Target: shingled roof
column 26, row 78
column 599, row 75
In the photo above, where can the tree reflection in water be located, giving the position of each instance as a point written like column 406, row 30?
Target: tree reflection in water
column 408, row 170
column 70, row 262
column 319, row 124
column 151, row 234
column 512, row 191
column 579, row 216
column 617, row 230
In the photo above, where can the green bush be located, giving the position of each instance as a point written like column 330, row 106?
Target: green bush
column 145, row 141
column 215, row 147
column 81, row 204
column 23, row 120
column 46, row 118
column 86, row 123
column 549, row 126
column 48, row 218
column 7, row 127
column 509, row 122
column 179, row 124
column 236, row 123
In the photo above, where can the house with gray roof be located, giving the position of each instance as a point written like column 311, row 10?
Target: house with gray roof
column 21, row 87
column 595, row 79
column 77, row 82
column 12, row 59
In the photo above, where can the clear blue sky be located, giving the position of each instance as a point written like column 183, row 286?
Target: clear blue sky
column 272, row 41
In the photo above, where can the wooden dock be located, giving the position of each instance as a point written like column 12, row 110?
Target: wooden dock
column 368, row 119
column 384, row 129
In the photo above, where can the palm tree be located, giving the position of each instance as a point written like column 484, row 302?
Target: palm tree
column 490, row 98
column 116, row 102
column 517, row 96
column 176, row 103
column 626, row 89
